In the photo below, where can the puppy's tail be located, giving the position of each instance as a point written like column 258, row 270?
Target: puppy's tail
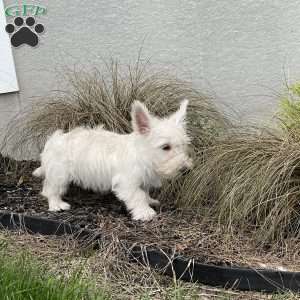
column 39, row 172
column 55, row 134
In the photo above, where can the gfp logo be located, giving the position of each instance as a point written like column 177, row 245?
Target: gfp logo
column 25, row 10
column 24, row 29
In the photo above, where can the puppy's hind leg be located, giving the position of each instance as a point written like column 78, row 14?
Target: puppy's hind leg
column 53, row 190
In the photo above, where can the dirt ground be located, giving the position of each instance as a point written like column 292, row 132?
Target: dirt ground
column 182, row 232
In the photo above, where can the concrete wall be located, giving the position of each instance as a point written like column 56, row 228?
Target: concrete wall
column 240, row 50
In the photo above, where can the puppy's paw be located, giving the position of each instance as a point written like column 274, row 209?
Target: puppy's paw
column 153, row 202
column 58, row 206
column 143, row 214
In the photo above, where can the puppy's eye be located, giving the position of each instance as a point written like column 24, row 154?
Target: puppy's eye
column 166, row 147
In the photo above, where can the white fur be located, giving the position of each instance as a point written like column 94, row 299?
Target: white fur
column 127, row 164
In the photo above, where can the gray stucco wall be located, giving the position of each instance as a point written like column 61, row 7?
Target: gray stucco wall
column 240, row 50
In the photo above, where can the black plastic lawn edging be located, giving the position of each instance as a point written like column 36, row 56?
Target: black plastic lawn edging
column 239, row 278
column 31, row 224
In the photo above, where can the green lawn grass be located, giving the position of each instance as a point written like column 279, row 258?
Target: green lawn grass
column 22, row 277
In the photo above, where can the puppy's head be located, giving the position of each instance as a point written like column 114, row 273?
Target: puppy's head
column 165, row 140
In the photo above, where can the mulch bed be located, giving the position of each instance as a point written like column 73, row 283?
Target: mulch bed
column 184, row 232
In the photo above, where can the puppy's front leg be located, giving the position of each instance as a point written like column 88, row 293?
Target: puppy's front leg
column 135, row 199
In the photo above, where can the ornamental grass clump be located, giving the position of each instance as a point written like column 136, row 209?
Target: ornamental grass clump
column 248, row 181
column 249, row 178
column 98, row 97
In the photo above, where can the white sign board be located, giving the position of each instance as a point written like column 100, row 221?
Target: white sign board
column 8, row 78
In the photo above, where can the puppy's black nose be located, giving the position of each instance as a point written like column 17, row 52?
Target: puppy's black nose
column 184, row 170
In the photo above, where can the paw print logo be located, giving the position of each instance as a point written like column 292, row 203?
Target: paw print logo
column 24, row 33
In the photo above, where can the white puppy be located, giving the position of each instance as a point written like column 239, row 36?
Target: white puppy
column 127, row 164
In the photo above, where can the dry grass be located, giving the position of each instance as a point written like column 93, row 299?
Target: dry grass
column 249, row 178
column 112, row 271
column 194, row 237
column 110, row 267
column 249, row 181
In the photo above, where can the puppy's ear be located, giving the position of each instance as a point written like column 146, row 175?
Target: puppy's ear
column 179, row 115
column 140, row 118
